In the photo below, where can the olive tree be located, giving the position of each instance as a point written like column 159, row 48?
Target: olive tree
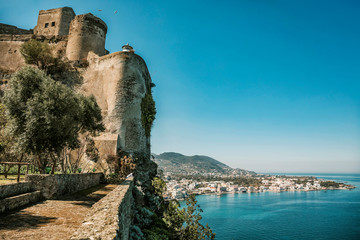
column 171, row 221
column 47, row 116
column 45, row 57
column 37, row 53
column 184, row 223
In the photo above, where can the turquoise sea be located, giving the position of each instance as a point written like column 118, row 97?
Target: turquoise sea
column 331, row 214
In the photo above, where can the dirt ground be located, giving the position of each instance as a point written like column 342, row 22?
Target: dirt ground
column 10, row 179
column 51, row 219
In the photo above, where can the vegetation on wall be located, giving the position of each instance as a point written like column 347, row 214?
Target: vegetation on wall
column 53, row 63
column 121, row 166
column 37, row 53
column 148, row 112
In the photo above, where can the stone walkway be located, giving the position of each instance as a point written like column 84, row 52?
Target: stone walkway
column 51, row 219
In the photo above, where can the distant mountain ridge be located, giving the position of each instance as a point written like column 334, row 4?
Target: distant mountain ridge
column 176, row 163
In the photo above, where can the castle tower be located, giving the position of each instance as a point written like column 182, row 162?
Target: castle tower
column 87, row 33
column 54, row 22
column 120, row 82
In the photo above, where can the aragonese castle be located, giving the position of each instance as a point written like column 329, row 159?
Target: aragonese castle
column 119, row 81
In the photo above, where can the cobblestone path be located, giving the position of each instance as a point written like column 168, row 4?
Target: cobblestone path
column 51, row 219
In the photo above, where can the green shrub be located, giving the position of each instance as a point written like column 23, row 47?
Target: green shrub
column 148, row 112
column 38, row 53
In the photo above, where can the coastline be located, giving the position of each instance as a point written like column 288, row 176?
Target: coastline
column 299, row 190
column 181, row 188
column 293, row 215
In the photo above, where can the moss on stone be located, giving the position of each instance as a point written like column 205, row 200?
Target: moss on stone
column 148, row 112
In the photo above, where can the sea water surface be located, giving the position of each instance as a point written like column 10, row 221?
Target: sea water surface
column 331, row 214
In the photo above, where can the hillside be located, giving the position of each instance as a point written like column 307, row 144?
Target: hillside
column 176, row 163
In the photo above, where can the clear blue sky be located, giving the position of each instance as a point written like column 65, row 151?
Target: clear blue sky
column 265, row 85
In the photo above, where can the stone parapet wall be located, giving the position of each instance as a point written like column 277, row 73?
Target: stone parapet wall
column 111, row 217
column 10, row 190
column 17, row 201
column 53, row 186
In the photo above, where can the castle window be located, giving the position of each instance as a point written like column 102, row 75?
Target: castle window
column 53, row 24
column 46, row 25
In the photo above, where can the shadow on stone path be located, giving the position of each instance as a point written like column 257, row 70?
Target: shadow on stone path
column 51, row 219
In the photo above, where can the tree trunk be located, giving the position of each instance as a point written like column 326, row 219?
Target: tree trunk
column 41, row 164
column 54, row 159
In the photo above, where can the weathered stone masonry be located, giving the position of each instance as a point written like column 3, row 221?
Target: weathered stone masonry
column 54, row 22
column 87, row 33
column 42, row 186
column 54, row 186
column 111, row 217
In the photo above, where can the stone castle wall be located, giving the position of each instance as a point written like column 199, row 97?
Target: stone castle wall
column 75, row 36
column 11, row 59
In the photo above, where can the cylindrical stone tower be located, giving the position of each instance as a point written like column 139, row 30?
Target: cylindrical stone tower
column 87, row 33
column 120, row 82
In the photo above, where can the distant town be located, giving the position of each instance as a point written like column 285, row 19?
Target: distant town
column 182, row 186
column 185, row 175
